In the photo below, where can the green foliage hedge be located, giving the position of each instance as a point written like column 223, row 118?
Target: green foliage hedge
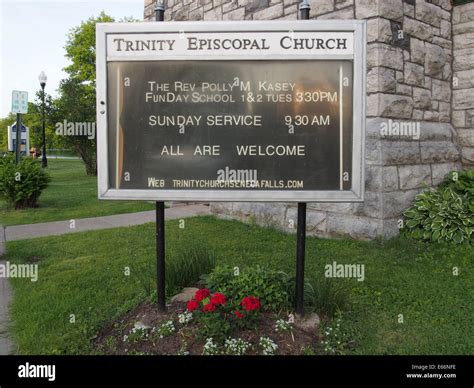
column 445, row 213
column 268, row 285
column 21, row 184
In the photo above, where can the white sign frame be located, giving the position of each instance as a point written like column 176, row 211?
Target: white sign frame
column 20, row 98
column 357, row 27
column 12, row 137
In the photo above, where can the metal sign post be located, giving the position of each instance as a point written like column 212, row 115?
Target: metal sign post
column 19, row 106
column 18, row 138
column 160, row 221
column 301, row 225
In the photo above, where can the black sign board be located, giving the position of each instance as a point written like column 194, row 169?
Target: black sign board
column 193, row 111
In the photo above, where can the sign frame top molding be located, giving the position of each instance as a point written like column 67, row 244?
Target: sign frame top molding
column 356, row 52
column 353, row 30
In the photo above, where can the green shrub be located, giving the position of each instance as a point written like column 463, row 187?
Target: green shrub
column 21, row 184
column 462, row 182
column 213, row 326
column 268, row 285
column 323, row 296
column 440, row 215
column 338, row 337
column 185, row 266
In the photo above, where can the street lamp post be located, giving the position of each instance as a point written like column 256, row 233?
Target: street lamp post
column 42, row 79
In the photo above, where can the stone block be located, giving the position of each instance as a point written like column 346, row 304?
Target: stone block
column 213, row 14
column 431, row 115
column 390, row 228
column 463, row 28
column 272, row 12
column 379, row 30
column 373, row 152
column 418, row 29
column 319, row 7
column 392, row 9
column 417, row 114
column 381, row 79
column 463, row 59
column 404, row 89
column 463, row 13
column 459, row 118
column 196, row 14
column 435, row 59
column 466, row 137
column 467, row 154
column 396, row 202
column 236, row 14
column 345, row 14
column 408, row 9
column 429, row 13
column 465, row 40
column 438, row 151
column 365, row 9
column 445, row 29
column 441, row 90
column 229, row 6
column 414, row 74
column 389, row 178
column 221, row 207
column 393, row 105
column 370, row 207
column 463, row 79
column 414, row 176
column 341, row 225
column 381, row 54
column 400, row 152
column 343, row 3
column 421, row 98
column 463, row 99
column 417, row 51
column 444, row 112
column 440, row 170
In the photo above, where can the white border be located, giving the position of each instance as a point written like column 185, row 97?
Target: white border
column 358, row 27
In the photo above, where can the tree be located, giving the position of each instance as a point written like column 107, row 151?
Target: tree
column 76, row 102
column 77, row 105
column 34, row 121
column 4, row 123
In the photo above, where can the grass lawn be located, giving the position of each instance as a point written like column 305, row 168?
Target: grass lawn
column 71, row 194
column 83, row 274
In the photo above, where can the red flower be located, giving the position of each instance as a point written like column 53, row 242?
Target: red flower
column 192, row 305
column 250, row 303
column 238, row 314
column 209, row 308
column 202, row 294
column 218, row 299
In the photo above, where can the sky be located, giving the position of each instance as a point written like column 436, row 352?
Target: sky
column 32, row 38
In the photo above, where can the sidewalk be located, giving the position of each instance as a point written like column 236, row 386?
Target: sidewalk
column 21, row 232
column 6, row 345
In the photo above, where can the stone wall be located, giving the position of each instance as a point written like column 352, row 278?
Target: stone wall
column 409, row 81
column 463, row 79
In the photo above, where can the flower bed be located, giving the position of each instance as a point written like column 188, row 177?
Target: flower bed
column 210, row 324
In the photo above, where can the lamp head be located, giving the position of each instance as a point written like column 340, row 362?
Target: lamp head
column 42, row 79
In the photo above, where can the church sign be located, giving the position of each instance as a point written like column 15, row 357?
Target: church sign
column 231, row 111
